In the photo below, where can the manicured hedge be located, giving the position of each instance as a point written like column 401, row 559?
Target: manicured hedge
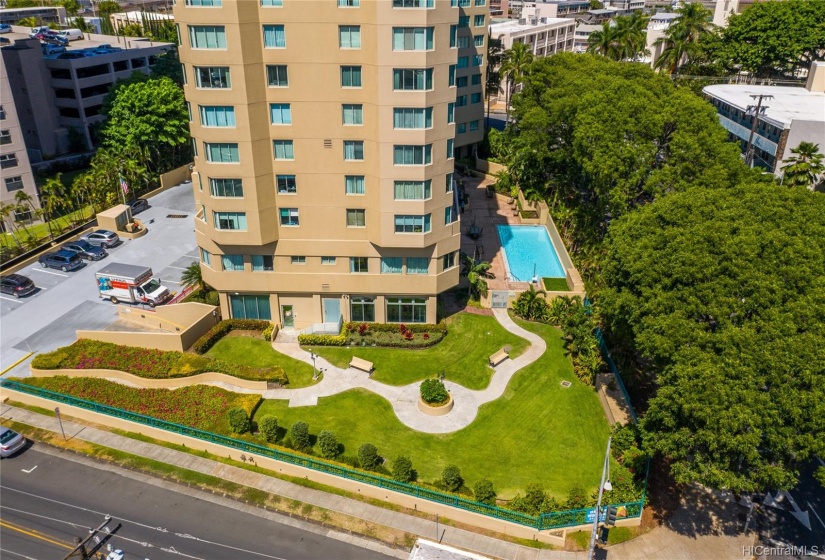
column 322, row 340
column 144, row 362
column 213, row 335
column 385, row 335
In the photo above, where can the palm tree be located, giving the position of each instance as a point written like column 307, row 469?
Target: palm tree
column 25, row 204
column 514, row 66
column 633, row 31
column 675, row 53
column 7, row 213
column 53, row 198
column 606, row 42
column 192, row 277
column 495, row 54
column 681, row 38
column 694, row 19
column 805, row 167
column 476, row 272
column 531, row 305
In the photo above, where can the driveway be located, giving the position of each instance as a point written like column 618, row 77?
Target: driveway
column 68, row 301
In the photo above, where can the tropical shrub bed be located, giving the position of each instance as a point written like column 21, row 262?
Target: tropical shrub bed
column 433, row 392
column 144, row 362
column 385, row 335
column 199, row 406
column 213, row 335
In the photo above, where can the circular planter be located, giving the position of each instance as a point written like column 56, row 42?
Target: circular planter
column 439, row 410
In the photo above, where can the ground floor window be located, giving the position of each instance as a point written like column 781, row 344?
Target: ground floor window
column 362, row 309
column 406, row 310
column 250, row 307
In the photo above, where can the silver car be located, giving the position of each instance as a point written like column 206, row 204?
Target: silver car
column 102, row 238
column 10, row 442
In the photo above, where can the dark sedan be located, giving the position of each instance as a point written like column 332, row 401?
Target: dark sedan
column 86, row 250
column 17, row 285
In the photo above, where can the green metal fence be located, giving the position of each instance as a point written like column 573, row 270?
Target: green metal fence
column 553, row 520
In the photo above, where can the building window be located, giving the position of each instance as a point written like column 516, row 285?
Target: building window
column 362, row 309
column 450, row 113
column 461, row 128
column 478, row 60
column 412, row 38
column 5, row 137
column 353, row 114
column 2, row 113
column 351, row 76
column 298, row 260
column 412, row 3
column 276, row 75
column 473, row 126
column 448, row 260
column 460, row 3
column 349, row 3
column 206, row 258
column 450, row 144
column 354, row 184
column 452, row 75
column 463, row 21
column 232, row 263
column 449, row 182
column 289, row 217
column 233, row 221
column 356, row 217
column 412, row 79
column 262, row 263
column 406, row 310
column 478, row 20
column 221, row 153
column 412, row 190
column 250, row 307
column 226, row 187
column 328, row 260
column 207, row 37
column 461, row 81
column 217, row 116
column 194, row 147
column 14, row 183
column 212, row 77
column 274, row 37
column 349, row 36
column 463, row 61
column 272, row 3
column 418, row 265
column 189, row 110
column 391, row 265
column 353, row 150
column 283, row 149
column 280, row 113
column 461, row 101
column 453, row 35
column 359, row 265
column 412, row 155
column 215, row 3
column 412, row 224
column 449, row 215
column 286, row 184
column 463, row 42
column 478, row 40
column 413, row 118
column 476, row 80
column 480, row 2
column 475, row 98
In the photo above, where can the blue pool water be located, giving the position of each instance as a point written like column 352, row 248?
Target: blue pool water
column 526, row 247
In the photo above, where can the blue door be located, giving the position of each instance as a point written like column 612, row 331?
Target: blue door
column 332, row 310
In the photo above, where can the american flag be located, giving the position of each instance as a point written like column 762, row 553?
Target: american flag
column 124, row 185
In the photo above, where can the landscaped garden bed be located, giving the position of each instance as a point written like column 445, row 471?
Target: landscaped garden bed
column 223, row 328
column 151, row 364
column 255, row 352
column 382, row 335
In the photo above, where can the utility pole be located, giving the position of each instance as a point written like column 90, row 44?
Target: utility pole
column 605, row 485
column 749, row 150
column 80, row 544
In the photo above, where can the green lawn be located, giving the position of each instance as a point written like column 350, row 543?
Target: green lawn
column 536, row 432
column 462, row 355
column 256, row 352
column 41, row 231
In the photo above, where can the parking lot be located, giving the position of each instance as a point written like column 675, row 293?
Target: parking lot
column 67, row 301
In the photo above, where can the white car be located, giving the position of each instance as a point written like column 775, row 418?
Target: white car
column 10, row 442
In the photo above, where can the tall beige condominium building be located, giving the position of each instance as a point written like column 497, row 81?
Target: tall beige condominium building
column 325, row 134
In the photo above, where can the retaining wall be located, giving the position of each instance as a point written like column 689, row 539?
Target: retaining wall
column 144, row 383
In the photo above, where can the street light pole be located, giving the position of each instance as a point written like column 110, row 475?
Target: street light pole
column 313, row 356
column 591, row 555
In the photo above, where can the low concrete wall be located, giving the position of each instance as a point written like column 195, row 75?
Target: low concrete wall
column 174, row 177
column 435, row 410
column 488, row 167
column 144, row 383
column 540, row 207
column 368, row 490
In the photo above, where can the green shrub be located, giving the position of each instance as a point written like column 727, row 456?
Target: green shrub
column 322, row 340
column 50, row 360
column 238, row 420
column 368, row 457
column 267, row 333
column 268, row 427
column 433, row 392
column 299, row 435
column 577, row 498
column 213, row 335
column 402, row 470
column 451, row 478
column 484, row 493
column 212, row 297
column 328, row 444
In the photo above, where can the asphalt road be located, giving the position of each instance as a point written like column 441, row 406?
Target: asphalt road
column 47, row 501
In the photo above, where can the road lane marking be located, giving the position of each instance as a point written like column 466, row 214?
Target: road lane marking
column 50, row 272
column 178, row 267
column 173, row 282
column 18, row 301
column 34, row 534
column 30, row 470
column 815, row 513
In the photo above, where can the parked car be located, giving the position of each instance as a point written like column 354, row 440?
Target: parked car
column 16, row 285
column 138, row 205
column 10, row 442
column 5, row 28
column 71, row 34
column 64, row 260
column 102, row 238
column 71, row 55
column 5, row 41
column 52, row 49
column 86, row 250
column 51, row 39
column 38, row 30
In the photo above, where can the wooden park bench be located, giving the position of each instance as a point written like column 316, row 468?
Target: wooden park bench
column 499, row 357
column 361, row 364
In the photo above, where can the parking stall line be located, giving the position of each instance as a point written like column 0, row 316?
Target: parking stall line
column 11, row 299
column 178, row 267
column 50, row 272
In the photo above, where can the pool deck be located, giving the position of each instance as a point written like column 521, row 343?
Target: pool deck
column 487, row 213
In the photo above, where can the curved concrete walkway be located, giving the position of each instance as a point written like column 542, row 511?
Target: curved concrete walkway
column 404, row 399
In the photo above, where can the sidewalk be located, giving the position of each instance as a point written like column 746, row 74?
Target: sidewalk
column 452, row 536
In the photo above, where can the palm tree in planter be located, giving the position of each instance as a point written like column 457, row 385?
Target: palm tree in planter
column 476, row 274
column 192, row 277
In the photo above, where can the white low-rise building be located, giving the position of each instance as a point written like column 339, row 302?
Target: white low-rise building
column 544, row 35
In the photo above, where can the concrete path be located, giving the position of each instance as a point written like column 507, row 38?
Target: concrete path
column 404, row 399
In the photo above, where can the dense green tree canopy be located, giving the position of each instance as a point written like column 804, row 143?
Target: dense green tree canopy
column 723, row 291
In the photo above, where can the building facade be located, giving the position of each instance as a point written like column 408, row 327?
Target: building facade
column 544, row 35
column 325, row 135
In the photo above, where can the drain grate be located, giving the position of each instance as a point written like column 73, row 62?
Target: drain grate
column 177, row 215
column 566, row 384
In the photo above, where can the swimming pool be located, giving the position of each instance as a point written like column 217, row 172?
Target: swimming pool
column 528, row 248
